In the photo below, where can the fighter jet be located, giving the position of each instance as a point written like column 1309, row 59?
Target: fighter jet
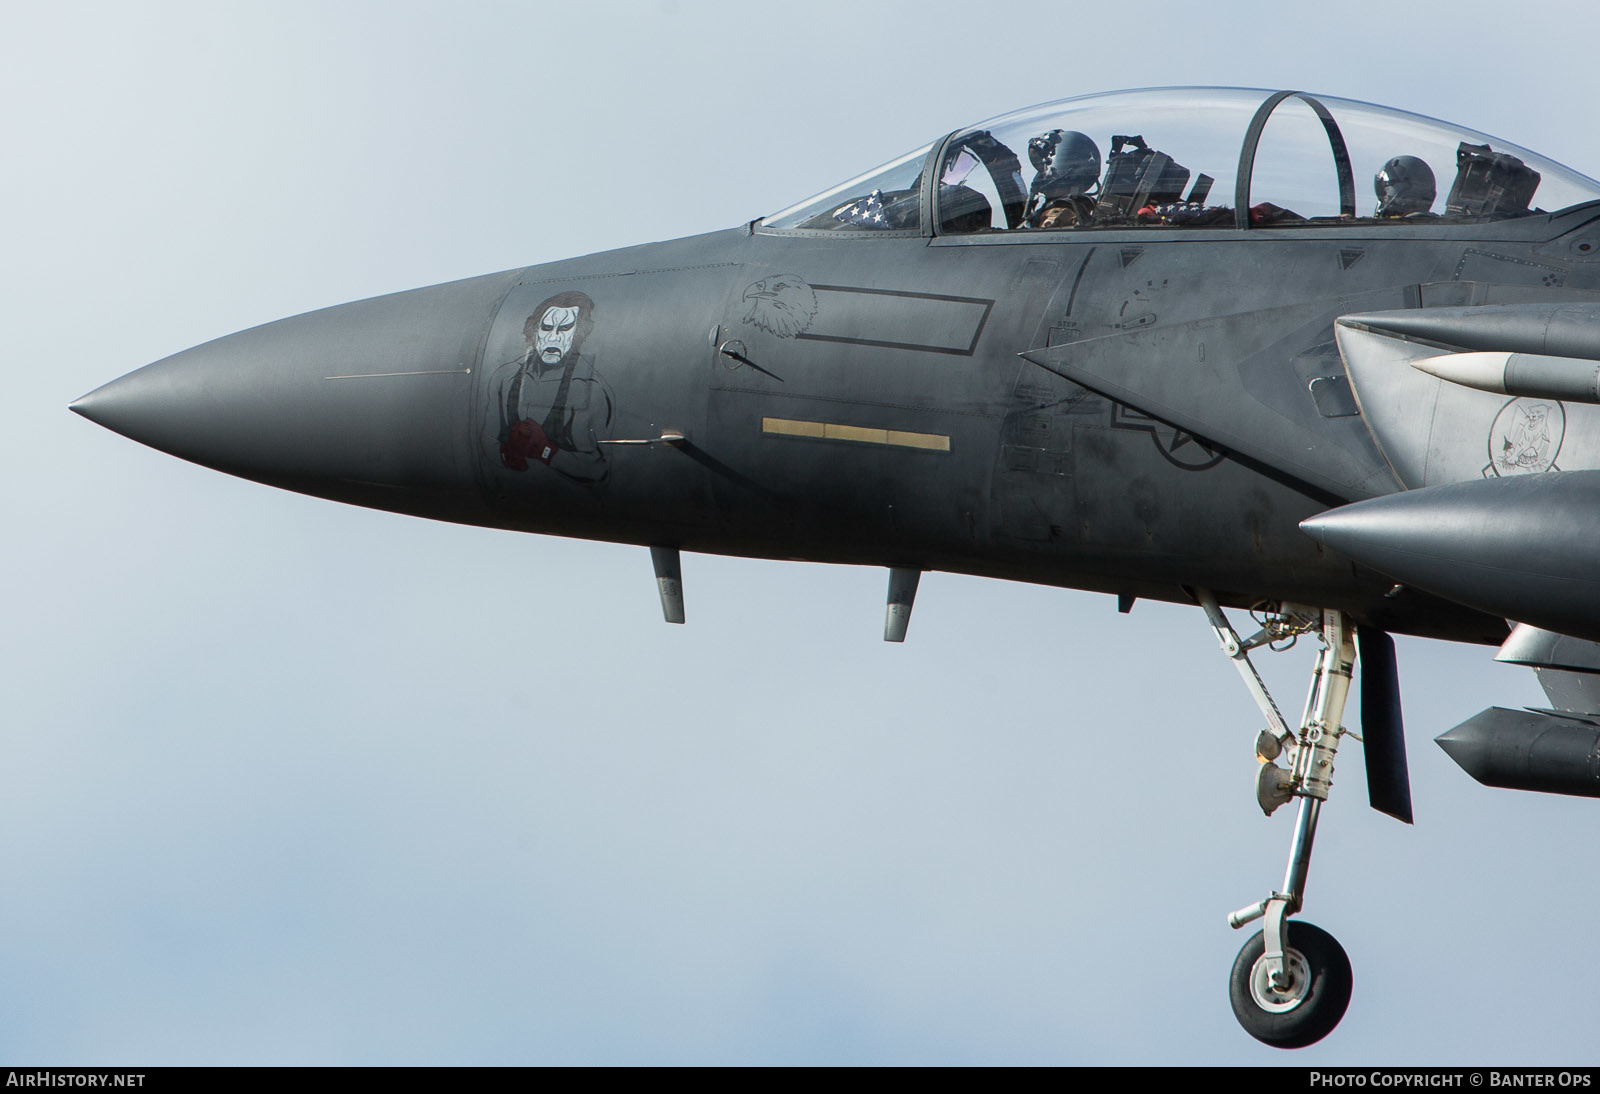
column 1160, row 343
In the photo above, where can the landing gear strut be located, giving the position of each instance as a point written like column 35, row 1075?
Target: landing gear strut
column 1291, row 982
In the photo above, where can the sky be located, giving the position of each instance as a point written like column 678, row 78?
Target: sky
column 289, row 782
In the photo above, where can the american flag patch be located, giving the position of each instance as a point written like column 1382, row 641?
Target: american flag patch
column 864, row 212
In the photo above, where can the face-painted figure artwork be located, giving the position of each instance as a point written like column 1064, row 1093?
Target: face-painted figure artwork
column 550, row 406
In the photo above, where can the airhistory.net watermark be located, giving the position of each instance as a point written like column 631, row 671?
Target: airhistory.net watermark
column 44, row 1077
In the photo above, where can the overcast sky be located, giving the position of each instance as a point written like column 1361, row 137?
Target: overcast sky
column 288, row 781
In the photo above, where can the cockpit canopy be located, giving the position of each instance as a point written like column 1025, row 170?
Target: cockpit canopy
column 1197, row 158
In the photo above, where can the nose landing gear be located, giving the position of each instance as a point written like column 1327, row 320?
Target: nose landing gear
column 1291, row 982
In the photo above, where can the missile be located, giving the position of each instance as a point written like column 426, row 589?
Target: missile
column 1523, row 547
column 1531, row 374
column 1527, row 750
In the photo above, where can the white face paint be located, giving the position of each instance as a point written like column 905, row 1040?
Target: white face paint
column 554, row 340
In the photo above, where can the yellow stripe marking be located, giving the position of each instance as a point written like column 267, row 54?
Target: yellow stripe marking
column 830, row 431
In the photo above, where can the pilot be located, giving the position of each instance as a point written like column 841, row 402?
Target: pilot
column 1405, row 188
column 550, row 406
column 1067, row 171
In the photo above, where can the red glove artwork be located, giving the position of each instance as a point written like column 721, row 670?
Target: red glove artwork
column 527, row 439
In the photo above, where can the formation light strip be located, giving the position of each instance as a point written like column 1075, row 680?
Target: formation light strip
column 831, row 431
column 418, row 372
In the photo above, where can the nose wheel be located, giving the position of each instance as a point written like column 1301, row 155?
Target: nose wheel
column 1300, row 1006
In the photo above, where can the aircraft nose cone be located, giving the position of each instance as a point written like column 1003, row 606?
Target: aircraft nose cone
column 163, row 405
column 367, row 402
column 86, row 406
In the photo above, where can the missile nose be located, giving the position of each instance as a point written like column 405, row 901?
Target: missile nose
column 366, row 402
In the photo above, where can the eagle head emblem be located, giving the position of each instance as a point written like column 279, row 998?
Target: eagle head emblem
column 782, row 304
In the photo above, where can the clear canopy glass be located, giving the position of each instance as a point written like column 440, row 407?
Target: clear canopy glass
column 1170, row 158
column 851, row 205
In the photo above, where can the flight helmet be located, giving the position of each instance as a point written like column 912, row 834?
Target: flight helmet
column 1404, row 185
column 1067, row 162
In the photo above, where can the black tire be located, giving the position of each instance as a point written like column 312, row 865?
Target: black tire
column 1308, row 1013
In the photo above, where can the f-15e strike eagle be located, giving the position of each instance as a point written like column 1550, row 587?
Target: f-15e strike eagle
column 1159, row 343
